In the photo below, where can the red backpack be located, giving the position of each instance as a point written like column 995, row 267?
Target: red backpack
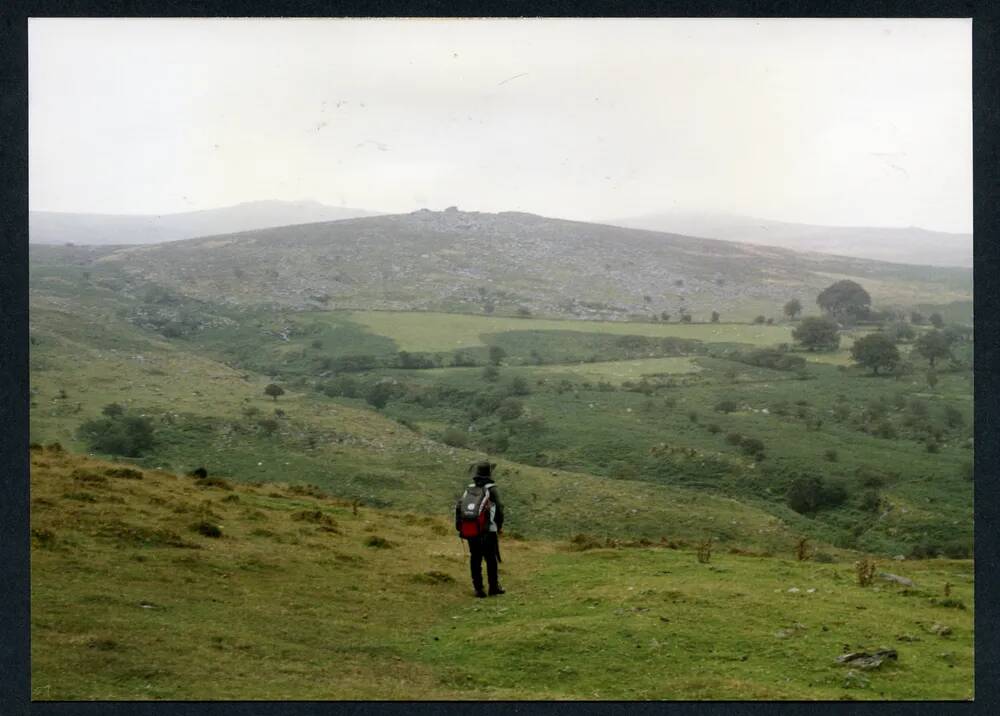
column 475, row 508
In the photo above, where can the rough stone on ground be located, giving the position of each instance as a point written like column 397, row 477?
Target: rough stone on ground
column 866, row 661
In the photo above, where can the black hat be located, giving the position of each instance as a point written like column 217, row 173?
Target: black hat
column 484, row 468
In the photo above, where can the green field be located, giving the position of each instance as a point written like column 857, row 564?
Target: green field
column 446, row 331
column 130, row 601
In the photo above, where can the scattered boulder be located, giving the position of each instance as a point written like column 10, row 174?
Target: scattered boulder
column 940, row 629
column 866, row 661
column 895, row 578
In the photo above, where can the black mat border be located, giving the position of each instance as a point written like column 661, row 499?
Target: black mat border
column 14, row 586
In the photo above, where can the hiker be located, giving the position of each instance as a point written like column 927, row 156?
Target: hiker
column 479, row 520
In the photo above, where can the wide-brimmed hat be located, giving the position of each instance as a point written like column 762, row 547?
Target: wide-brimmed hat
column 483, row 468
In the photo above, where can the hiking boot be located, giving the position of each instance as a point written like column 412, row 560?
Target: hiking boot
column 497, row 591
column 480, row 594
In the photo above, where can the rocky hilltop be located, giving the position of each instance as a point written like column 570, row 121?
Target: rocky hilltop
column 510, row 263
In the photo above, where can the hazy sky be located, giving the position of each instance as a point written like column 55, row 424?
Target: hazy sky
column 851, row 122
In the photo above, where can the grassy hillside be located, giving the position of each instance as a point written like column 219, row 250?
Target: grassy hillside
column 629, row 412
column 622, row 446
column 298, row 597
column 502, row 263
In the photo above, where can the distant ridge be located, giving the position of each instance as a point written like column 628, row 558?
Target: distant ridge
column 50, row 227
column 909, row 245
column 464, row 261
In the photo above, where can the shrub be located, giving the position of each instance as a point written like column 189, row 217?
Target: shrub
column 924, row 549
column 693, row 416
column 44, row 538
column 123, row 435
column 953, row 417
column 519, row 386
column 705, row 551
column 831, row 455
column 378, row 542
column 727, row 405
column 207, row 529
column 752, row 447
column 343, row 386
column 811, row 494
column 379, row 394
column 957, row 550
column 455, row 437
column 510, row 409
column 870, row 501
column 491, row 373
column 865, row 570
column 886, row 430
column 268, row 426
column 713, row 428
column 497, row 441
column 734, row 438
column 112, row 410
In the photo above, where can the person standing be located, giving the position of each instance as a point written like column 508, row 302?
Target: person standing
column 479, row 520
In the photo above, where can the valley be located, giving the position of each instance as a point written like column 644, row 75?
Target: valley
column 362, row 365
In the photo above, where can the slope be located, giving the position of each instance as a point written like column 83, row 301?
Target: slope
column 52, row 227
column 147, row 585
column 910, row 245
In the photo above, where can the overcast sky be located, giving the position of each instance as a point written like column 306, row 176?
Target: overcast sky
column 849, row 122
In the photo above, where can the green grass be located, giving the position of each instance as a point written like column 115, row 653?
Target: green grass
column 443, row 331
column 199, row 405
column 291, row 603
column 617, row 372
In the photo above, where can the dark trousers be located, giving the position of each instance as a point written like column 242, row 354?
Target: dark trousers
column 485, row 547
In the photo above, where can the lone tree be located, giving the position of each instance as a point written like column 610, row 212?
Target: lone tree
column 715, row 316
column 933, row 345
column 845, row 301
column 936, row 320
column 875, row 351
column 816, row 333
column 793, row 308
column 274, row 390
